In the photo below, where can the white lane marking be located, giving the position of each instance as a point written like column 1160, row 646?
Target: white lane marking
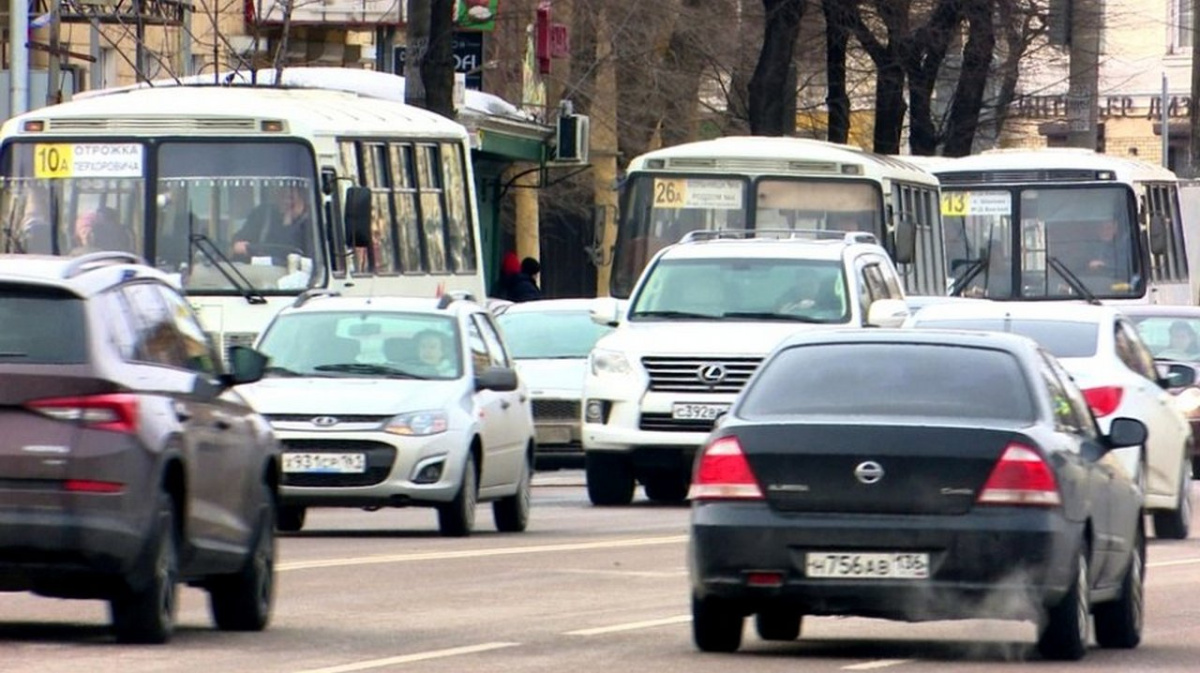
column 478, row 553
column 410, row 658
column 1179, row 562
column 632, row 626
column 654, row 574
column 872, row 665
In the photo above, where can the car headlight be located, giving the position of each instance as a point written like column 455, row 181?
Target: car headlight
column 609, row 362
column 418, row 424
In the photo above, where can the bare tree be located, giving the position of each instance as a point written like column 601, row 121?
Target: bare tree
column 773, row 86
column 972, row 81
column 837, row 98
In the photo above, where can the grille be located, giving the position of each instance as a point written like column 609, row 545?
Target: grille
column 141, row 124
column 556, row 409
column 664, row 423
column 976, row 177
column 682, row 374
column 380, row 458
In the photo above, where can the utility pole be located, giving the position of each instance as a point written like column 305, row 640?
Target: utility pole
column 1083, row 93
column 1194, row 116
column 416, row 29
column 603, row 111
column 54, row 72
column 18, row 57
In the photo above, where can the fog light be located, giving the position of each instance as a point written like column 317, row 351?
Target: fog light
column 594, row 412
column 764, row 578
column 430, row 473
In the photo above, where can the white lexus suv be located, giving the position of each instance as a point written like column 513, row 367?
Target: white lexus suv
column 700, row 320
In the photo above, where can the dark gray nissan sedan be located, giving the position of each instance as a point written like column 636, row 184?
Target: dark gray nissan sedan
column 916, row 476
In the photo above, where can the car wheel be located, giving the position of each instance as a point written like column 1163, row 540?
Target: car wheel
column 457, row 517
column 1064, row 635
column 609, row 478
column 1175, row 524
column 667, row 486
column 242, row 602
column 146, row 614
column 778, row 625
column 1119, row 624
column 290, row 519
column 716, row 626
column 511, row 514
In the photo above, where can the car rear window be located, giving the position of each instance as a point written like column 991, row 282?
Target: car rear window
column 890, row 380
column 1063, row 338
column 41, row 327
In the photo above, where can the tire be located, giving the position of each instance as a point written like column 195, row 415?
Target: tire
column 1119, row 624
column 667, row 486
column 1176, row 524
column 457, row 517
column 290, row 519
column 609, row 478
column 146, row 614
column 242, row 601
column 511, row 514
column 1195, row 467
column 1064, row 636
column 716, row 627
column 780, row 625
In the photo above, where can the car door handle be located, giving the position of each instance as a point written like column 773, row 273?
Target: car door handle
column 222, row 424
column 182, row 413
column 504, row 404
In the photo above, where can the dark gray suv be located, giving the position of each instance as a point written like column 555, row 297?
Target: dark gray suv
column 128, row 463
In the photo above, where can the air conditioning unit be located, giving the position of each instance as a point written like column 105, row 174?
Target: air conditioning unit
column 572, row 139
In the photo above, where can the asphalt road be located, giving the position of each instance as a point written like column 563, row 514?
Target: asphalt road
column 584, row 590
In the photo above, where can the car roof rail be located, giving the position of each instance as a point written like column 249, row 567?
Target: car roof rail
column 309, row 295
column 450, row 296
column 847, row 237
column 92, row 260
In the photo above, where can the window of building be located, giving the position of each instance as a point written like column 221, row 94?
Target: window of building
column 1181, row 26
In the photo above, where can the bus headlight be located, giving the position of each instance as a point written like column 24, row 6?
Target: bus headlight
column 609, row 362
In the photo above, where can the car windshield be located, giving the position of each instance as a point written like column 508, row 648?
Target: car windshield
column 890, row 380
column 363, row 345
column 1171, row 338
column 1063, row 338
column 550, row 334
column 41, row 328
column 739, row 288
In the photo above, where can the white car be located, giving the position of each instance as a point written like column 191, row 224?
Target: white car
column 550, row 340
column 1104, row 354
column 702, row 317
column 396, row 402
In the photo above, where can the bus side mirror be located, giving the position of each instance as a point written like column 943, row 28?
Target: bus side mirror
column 905, row 241
column 357, row 216
column 1158, row 234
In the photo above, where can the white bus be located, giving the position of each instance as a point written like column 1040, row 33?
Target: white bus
column 779, row 183
column 1065, row 224
column 252, row 195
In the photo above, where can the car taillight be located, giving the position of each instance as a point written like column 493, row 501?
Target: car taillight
column 724, row 474
column 116, row 412
column 92, row 486
column 1021, row 477
column 1103, row 400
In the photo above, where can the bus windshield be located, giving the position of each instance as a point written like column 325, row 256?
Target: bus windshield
column 658, row 210
column 252, row 202
column 1014, row 243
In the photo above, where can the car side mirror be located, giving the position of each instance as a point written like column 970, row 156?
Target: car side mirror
column 356, row 216
column 887, row 313
column 500, row 379
column 606, row 311
column 1158, row 234
column 1126, row 432
column 1176, row 376
column 905, row 241
column 246, row 365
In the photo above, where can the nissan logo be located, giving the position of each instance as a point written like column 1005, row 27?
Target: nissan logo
column 869, row 472
column 711, row 374
column 325, row 421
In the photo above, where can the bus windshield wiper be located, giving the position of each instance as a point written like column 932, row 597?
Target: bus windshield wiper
column 223, row 264
column 1072, row 280
column 976, row 267
column 673, row 314
column 281, row 371
column 366, row 368
column 768, row 315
